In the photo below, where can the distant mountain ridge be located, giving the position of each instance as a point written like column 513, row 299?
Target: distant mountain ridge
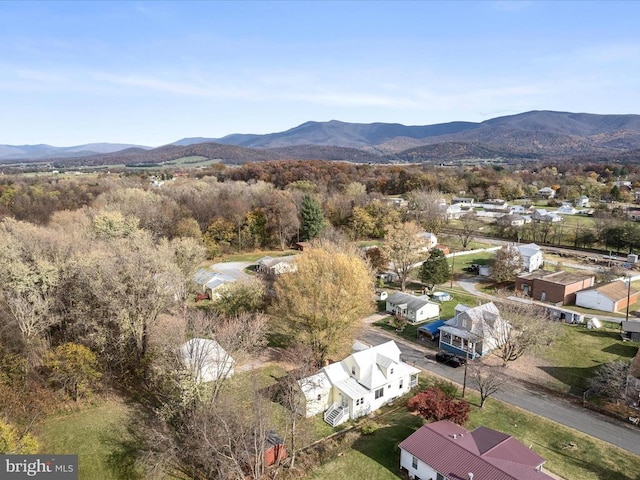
column 529, row 135
column 42, row 151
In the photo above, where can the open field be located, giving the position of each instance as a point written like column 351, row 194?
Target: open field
column 91, row 432
column 578, row 352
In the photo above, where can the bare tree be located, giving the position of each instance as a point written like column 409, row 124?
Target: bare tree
column 507, row 264
column 525, row 328
column 404, row 247
column 426, row 208
column 610, row 379
column 468, row 226
column 486, row 379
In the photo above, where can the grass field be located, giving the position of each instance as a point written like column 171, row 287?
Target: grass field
column 578, row 352
column 253, row 256
column 90, row 433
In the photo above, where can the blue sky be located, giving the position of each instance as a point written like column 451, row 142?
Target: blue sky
column 150, row 73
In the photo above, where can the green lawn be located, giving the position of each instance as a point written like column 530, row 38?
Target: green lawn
column 253, row 256
column 577, row 352
column 376, row 457
column 90, row 433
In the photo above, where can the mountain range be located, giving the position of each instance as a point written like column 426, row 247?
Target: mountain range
column 535, row 134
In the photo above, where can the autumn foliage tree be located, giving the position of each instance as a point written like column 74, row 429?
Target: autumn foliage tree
column 322, row 303
column 433, row 404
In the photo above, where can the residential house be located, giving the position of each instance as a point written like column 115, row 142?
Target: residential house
column 359, row 384
column 210, row 281
column 582, row 202
column 547, row 192
column 206, row 360
column 430, row 240
column 414, row 309
column 554, row 287
column 510, row 220
column 609, row 297
column 519, row 209
column 566, row 209
column 277, row 265
column 543, row 215
column 453, row 212
column 495, row 204
column 633, row 382
column 463, row 201
column 531, row 255
column 443, row 450
column 472, row 332
column 630, row 330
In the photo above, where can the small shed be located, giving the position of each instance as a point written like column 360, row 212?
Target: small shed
column 206, row 360
column 430, row 331
column 631, row 330
column 275, row 449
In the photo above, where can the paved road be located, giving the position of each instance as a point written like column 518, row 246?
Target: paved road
column 551, row 407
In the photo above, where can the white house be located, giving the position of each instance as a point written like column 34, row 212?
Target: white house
column 566, row 209
column 547, row 192
column 463, row 201
column 415, row 309
column 495, row 204
column 542, row 215
column 430, row 240
column 443, row 450
column 453, row 212
column 582, row 202
column 531, row 255
column 210, row 281
column 206, row 360
column 359, row 384
column 277, row 265
column 472, row 331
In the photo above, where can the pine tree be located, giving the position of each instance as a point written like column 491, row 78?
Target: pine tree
column 435, row 269
column 311, row 218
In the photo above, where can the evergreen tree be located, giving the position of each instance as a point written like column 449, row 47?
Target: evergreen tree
column 311, row 218
column 435, row 269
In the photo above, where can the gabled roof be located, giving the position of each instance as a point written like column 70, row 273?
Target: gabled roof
column 206, row 359
column 411, row 301
column 488, row 454
column 528, row 250
column 210, row 279
column 614, row 291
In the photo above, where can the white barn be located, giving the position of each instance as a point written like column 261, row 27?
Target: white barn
column 206, row 360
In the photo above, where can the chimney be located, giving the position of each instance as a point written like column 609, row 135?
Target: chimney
column 470, row 475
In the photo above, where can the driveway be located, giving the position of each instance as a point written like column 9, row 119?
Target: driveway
column 554, row 408
column 234, row 270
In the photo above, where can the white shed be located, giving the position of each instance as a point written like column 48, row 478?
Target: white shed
column 415, row 309
column 206, row 360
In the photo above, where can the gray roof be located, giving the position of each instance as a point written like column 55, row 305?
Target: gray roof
column 411, row 301
column 631, row 326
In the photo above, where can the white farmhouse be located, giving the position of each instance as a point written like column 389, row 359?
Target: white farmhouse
column 359, row 384
column 532, row 258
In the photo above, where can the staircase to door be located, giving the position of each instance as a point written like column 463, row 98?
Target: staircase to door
column 336, row 414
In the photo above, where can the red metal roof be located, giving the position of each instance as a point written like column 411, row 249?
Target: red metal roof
column 488, row 454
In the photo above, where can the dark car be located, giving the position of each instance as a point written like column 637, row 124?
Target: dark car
column 450, row 359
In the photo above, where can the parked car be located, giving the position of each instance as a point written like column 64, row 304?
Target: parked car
column 450, row 359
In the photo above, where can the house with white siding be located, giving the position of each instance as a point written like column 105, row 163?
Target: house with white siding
column 414, row 309
column 361, row 383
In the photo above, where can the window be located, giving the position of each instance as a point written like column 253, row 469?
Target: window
column 380, row 393
column 319, row 397
column 439, row 476
column 414, row 463
column 357, row 402
column 400, row 384
column 353, row 370
column 391, row 372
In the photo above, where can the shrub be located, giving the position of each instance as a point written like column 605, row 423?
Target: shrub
column 433, row 404
column 368, row 427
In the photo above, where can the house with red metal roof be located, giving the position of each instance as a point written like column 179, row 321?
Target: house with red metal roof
column 446, row 451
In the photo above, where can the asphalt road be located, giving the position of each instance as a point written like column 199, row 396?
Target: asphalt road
column 551, row 407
